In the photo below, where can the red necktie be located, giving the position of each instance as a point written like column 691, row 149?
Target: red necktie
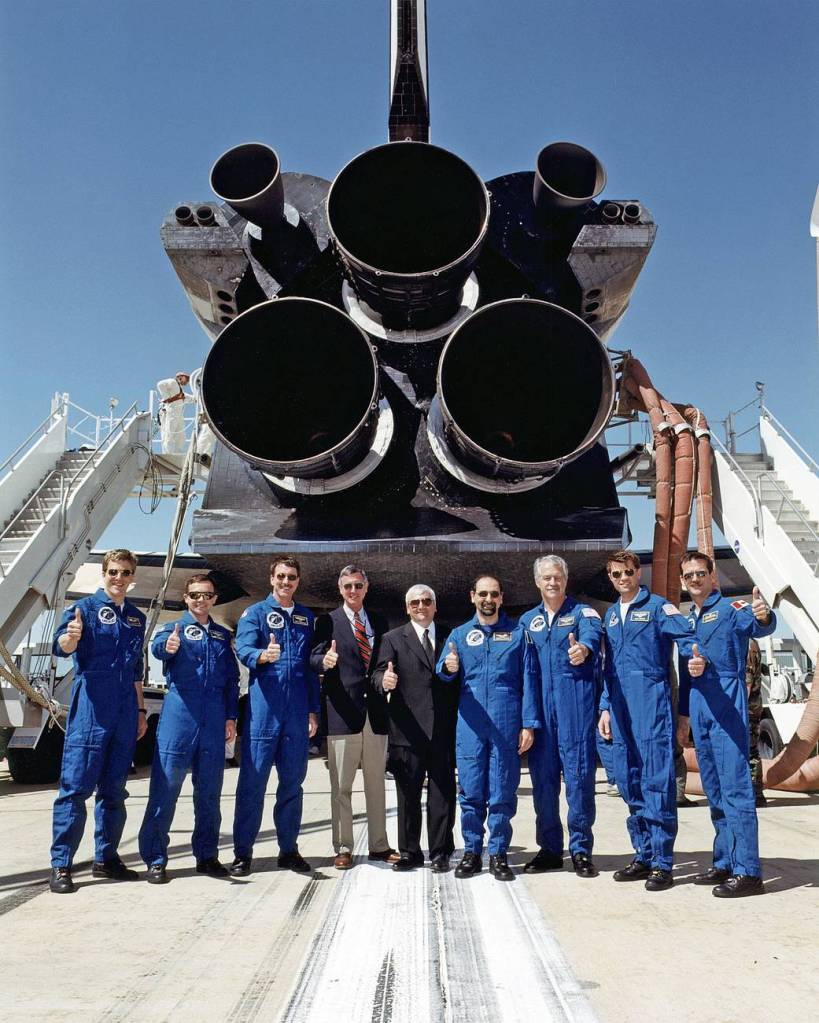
column 361, row 638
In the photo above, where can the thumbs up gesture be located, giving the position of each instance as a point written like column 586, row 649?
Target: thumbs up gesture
column 74, row 630
column 330, row 659
column 390, row 679
column 272, row 651
column 759, row 606
column 452, row 662
column 173, row 642
column 696, row 663
column 578, row 652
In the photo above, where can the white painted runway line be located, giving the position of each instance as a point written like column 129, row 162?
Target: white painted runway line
column 428, row 948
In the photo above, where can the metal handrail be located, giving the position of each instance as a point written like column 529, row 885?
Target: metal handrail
column 759, row 528
column 812, row 464
column 787, row 500
column 119, row 426
column 43, row 428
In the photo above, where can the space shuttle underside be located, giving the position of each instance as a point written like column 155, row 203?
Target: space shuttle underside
column 409, row 367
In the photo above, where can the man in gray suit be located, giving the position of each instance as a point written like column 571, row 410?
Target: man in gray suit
column 422, row 713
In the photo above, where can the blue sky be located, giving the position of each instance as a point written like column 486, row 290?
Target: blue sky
column 113, row 112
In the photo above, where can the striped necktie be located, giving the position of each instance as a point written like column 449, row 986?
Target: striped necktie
column 361, row 639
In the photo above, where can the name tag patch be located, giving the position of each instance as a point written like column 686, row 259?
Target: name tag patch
column 132, row 620
column 566, row 620
column 300, row 619
column 193, row 632
column 712, row 616
column 502, row 637
column 538, row 623
column 275, row 620
column 474, row 637
column 215, row 634
column 107, row 615
column 641, row 616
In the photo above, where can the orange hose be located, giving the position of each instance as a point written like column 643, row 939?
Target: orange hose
column 682, row 497
column 803, row 779
column 803, row 740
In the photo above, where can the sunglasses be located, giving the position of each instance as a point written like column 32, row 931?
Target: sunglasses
column 124, row 572
column 200, row 595
column 483, row 594
column 289, row 576
column 420, row 602
column 699, row 573
column 615, row 573
column 352, row 586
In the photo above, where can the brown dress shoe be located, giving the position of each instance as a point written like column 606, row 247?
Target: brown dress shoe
column 343, row 861
column 385, row 856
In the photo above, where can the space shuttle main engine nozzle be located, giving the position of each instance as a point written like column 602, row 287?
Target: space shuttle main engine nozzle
column 408, row 220
column 566, row 176
column 523, row 387
column 248, row 178
column 292, row 387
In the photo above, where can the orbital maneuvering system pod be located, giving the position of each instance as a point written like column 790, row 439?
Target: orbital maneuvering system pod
column 409, row 365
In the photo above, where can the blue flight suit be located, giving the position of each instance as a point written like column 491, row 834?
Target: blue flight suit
column 203, row 693
column 499, row 696
column 637, row 692
column 718, row 705
column 569, row 714
column 101, row 731
column 280, row 696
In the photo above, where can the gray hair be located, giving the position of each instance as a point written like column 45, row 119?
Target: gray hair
column 353, row 570
column 551, row 559
column 418, row 590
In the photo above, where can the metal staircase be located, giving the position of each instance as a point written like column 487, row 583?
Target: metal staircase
column 55, row 503
column 767, row 505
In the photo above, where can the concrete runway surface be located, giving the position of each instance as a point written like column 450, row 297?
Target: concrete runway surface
column 371, row 946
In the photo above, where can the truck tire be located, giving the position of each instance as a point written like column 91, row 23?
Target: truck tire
column 41, row 765
column 770, row 741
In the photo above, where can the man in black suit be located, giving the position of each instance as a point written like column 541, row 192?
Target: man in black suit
column 422, row 712
column 354, row 716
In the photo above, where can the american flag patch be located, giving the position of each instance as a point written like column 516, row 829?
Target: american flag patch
column 589, row 612
column 671, row 609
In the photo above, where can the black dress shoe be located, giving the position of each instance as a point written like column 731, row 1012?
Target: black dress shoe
column 760, row 799
column 499, row 868
column 406, row 862
column 240, row 866
column 114, row 870
column 293, row 860
column 711, row 876
column 60, row 881
column 212, row 867
column 470, row 865
column 544, row 860
column 157, row 874
column 738, row 886
column 659, row 881
column 635, row 871
column 583, row 865
column 440, row 864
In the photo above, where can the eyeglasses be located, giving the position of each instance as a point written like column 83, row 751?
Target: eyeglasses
column 200, row 595
column 483, row 594
column 291, row 577
column 352, row 586
column 420, row 602
column 699, row 573
column 124, row 572
column 615, row 573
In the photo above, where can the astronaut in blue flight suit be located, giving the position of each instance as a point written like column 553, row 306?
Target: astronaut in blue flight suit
column 566, row 635
column 274, row 639
column 497, row 712
column 198, row 717
column 712, row 686
column 636, row 713
column 105, row 633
